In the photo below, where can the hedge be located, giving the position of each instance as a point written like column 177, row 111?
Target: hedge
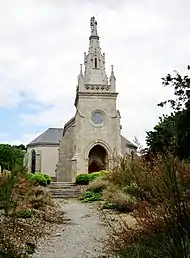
column 84, row 179
column 40, row 178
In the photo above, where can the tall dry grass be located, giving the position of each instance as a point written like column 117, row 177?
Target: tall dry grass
column 25, row 213
column 161, row 189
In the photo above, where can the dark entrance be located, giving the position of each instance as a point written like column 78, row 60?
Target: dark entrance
column 33, row 163
column 97, row 159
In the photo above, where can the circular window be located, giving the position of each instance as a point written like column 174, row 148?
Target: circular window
column 97, row 117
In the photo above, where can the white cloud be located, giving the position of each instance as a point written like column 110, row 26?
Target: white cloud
column 25, row 139
column 42, row 44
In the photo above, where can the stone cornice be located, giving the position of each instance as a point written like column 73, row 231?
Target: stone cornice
column 43, row 144
column 102, row 94
column 94, row 37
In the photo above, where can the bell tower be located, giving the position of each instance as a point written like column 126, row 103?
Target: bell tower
column 93, row 135
column 97, row 119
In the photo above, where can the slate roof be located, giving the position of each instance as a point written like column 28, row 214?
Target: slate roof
column 128, row 143
column 51, row 136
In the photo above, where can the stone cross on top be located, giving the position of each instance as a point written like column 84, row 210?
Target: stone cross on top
column 93, row 24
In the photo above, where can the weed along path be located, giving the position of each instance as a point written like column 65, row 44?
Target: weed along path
column 83, row 235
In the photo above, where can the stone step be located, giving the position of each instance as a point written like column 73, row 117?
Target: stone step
column 65, row 194
column 61, row 185
column 65, row 191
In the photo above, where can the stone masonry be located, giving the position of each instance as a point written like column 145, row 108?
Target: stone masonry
column 93, row 135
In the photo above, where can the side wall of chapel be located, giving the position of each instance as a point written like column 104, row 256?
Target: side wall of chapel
column 66, row 153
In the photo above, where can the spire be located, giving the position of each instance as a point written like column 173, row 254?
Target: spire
column 112, row 78
column 81, row 73
column 94, row 61
column 94, row 79
column 80, row 79
column 112, row 72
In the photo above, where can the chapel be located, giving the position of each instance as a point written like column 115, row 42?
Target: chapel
column 92, row 136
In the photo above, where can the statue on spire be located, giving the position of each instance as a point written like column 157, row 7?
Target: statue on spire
column 93, row 24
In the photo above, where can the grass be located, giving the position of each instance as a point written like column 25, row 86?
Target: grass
column 90, row 196
column 25, row 213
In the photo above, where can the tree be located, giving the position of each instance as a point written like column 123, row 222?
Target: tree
column 172, row 133
column 181, row 86
column 11, row 156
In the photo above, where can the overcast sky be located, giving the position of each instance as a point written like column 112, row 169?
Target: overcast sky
column 42, row 44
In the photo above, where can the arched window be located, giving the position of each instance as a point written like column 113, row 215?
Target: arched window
column 95, row 63
column 33, row 162
column 132, row 154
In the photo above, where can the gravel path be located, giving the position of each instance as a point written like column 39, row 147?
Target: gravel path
column 81, row 237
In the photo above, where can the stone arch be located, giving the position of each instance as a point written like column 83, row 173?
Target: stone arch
column 98, row 154
column 97, row 159
column 33, row 161
column 101, row 143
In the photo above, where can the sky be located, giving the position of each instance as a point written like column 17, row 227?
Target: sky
column 42, row 43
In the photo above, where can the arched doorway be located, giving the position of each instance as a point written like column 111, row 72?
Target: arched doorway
column 33, row 162
column 97, row 159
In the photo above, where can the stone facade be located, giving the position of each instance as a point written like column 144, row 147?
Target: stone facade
column 93, row 135
column 42, row 152
column 46, row 159
column 91, row 138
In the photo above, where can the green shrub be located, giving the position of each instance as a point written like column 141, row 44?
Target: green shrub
column 139, row 250
column 5, row 255
column 109, row 205
column 47, row 177
column 25, row 213
column 104, row 172
column 29, row 175
column 83, row 179
column 39, row 179
column 94, row 175
column 89, row 196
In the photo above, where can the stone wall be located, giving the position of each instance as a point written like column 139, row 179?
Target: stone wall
column 89, row 134
column 46, row 158
column 66, row 153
